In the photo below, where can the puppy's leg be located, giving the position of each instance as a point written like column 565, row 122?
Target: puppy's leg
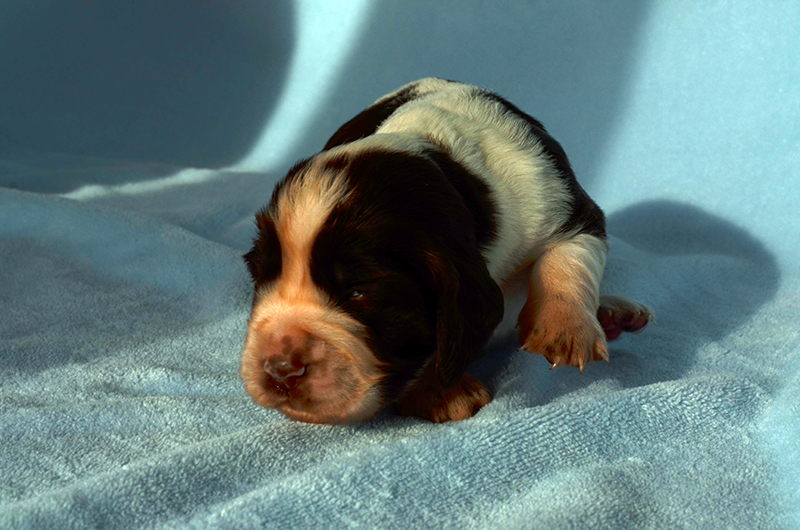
column 618, row 314
column 426, row 398
column 559, row 318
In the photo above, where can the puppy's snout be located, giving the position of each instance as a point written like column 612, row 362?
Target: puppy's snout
column 282, row 369
column 286, row 357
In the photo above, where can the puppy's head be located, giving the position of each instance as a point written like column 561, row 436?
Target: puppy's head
column 366, row 271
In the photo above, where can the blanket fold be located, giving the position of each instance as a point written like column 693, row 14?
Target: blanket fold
column 124, row 298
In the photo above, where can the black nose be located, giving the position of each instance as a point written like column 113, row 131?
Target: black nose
column 284, row 370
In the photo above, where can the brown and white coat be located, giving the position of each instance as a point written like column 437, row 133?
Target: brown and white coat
column 383, row 264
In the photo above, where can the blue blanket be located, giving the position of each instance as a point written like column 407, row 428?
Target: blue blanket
column 137, row 139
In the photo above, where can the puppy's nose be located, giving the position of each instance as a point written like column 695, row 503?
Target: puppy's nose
column 286, row 356
column 284, row 370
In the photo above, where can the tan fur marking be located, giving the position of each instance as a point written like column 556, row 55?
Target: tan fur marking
column 340, row 385
column 299, row 214
column 559, row 318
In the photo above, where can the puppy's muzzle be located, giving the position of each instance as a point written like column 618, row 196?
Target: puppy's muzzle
column 284, row 371
column 287, row 357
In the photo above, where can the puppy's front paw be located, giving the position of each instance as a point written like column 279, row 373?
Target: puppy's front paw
column 427, row 399
column 565, row 335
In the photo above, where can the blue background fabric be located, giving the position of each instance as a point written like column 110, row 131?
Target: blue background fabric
column 137, row 139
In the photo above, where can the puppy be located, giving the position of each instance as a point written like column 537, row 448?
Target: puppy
column 383, row 264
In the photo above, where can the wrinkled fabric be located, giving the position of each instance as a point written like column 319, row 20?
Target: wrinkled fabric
column 124, row 299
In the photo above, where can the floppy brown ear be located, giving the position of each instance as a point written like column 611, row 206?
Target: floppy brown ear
column 367, row 121
column 469, row 308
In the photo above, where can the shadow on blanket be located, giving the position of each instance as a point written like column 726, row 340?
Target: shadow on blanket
column 701, row 265
column 739, row 275
column 176, row 83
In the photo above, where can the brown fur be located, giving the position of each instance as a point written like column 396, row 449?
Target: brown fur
column 426, row 398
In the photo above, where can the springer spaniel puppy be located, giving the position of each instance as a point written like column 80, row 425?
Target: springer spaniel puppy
column 383, row 264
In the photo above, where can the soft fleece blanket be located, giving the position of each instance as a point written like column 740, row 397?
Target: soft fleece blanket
column 137, row 139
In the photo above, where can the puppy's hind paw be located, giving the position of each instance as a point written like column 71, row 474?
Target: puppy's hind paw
column 618, row 314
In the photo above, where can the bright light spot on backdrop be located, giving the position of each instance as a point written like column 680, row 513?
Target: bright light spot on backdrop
column 326, row 32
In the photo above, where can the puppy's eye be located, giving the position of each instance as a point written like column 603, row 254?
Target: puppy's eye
column 356, row 295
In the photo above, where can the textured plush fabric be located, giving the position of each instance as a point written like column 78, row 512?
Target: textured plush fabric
column 138, row 139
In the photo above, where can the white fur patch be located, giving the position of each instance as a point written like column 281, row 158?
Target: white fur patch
column 495, row 145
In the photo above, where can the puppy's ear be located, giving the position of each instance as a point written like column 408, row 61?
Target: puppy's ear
column 368, row 120
column 264, row 259
column 469, row 308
